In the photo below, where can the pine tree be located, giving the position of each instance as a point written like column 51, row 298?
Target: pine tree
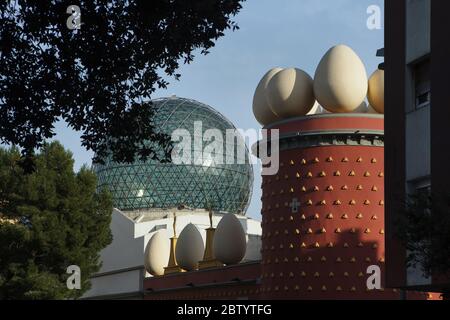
column 49, row 220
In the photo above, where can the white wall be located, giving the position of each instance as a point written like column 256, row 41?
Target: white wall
column 418, row 134
column 125, row 251
column 418, row 24
column 418, row 144
column 118, row 284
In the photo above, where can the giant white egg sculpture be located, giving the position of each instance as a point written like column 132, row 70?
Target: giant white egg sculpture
column 375, row 95
column 290, row 93
column 229, row 240
column 190, row 248
column 261, row 109
column 157, row 253
column 340, row 81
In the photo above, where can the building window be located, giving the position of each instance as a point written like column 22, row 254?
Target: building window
column 422, row 84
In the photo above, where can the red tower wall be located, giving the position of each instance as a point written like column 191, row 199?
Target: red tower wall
column 322, row 251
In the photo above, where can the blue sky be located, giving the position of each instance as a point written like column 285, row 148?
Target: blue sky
column 273, row 33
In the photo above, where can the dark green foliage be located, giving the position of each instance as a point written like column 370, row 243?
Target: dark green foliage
column 424, row 228
column 99, row 78
column 49, row 220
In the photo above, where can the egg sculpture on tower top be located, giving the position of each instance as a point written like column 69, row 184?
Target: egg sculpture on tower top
column 340, row 82
column 340, row 85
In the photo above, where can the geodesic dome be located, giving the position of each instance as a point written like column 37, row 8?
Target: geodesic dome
column 223, row 186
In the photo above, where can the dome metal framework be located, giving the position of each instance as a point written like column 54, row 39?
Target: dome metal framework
column 151, row 184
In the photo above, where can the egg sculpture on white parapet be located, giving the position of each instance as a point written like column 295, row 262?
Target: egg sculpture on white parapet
column 375, row 95
column 290, row 93
column 190, row 248
column 340, row 81
column 230, row 242
column 261, row 109
column 157, row 253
